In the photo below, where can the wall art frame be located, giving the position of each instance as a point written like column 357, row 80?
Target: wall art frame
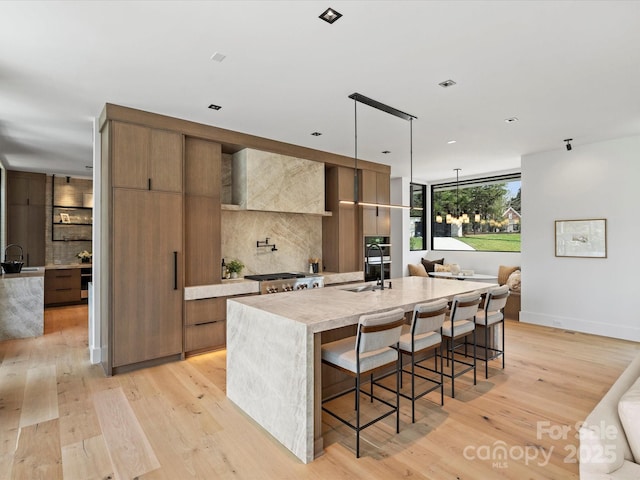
column 581, row 238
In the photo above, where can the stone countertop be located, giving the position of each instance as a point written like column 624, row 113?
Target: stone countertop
column 69, row 265
column 327, row 308
column 26, row 272
column 242, row 286
column 236, row 286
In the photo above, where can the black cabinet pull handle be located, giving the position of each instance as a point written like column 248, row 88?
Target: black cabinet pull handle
column 149, row 181
column 175, row 270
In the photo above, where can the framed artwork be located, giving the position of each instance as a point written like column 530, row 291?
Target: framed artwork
column 581, row 238
column 64, row 218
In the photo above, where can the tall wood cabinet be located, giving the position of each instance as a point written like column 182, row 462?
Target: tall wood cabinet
column 145, row 234
column 375, row 188
column 26, row 215
column 202, row 166
column 340, row 235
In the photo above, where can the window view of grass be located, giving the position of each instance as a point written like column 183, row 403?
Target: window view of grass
column 482, row 215
column 494, row 242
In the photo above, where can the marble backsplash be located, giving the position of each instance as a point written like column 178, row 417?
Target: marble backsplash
column 298, row 237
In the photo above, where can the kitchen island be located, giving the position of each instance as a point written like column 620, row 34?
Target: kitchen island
column 274, row 347
column 22, row 300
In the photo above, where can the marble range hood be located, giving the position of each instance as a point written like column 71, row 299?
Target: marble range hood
column 265, row 181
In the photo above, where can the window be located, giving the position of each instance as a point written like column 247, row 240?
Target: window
column 480, row 214
column 417, row 214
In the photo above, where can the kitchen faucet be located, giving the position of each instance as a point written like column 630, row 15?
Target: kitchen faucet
column 371, row 245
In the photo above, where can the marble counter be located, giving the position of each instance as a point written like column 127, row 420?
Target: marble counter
column 273, row 350
column 238, row 286
column 22, row 300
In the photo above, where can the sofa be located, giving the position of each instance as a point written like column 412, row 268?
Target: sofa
column 610, row 435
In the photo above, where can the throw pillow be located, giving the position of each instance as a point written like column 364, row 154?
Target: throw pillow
column 514, row 281
column 629, row 412
column 417, row 270
column 504, row 272
column 429, row 265
column 442, row 268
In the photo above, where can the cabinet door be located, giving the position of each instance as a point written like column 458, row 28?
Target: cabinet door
column 129, row 162
column 202, row 240
column 146, row 276
column 368, row 194
column 203, row 165
column 383, row 197
column 165, row 161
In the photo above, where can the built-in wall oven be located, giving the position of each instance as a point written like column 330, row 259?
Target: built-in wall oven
column 376, row 258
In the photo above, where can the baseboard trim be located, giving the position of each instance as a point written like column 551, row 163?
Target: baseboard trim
column 623, row 332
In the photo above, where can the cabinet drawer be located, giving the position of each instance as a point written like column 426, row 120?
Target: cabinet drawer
column 67, row 295
column 62, row 279
column 206, row 310
column 205, row 336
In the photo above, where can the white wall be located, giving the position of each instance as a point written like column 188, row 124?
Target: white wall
column 599, row 180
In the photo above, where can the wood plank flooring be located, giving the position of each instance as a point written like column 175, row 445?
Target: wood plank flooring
column 60, row 417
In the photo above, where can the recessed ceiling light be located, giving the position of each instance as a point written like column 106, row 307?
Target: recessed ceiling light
column 511, row 119
column 218, row 57
column 316, row 134
column 215, row 107
column 447, row 83
column 451, row 141
column 330, row 15
column 386, row 152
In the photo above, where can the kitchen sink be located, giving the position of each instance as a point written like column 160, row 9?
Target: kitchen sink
column 29, row 269
column 362, row 288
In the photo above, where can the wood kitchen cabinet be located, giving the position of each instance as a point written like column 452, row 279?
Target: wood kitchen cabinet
column 146, row 276
column 146, row 158
column 202, row 164
column 340, row 237
column 375, row 188
column 205, row 324
column 26, row 215
column 62, row 286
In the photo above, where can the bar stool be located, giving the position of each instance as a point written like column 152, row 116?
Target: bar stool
column 420, row 337
column 490, row 316
column 373, row 348
column 461, row 322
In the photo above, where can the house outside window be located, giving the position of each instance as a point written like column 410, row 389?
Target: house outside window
column 479, row 214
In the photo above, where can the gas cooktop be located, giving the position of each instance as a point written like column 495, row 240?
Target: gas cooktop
column 275, row 276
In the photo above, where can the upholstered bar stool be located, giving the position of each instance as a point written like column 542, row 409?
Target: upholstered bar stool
column 461, row 322
column 490, row 316
column 417, row 340
column 372, row 349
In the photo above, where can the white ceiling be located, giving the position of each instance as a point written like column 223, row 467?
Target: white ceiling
column 564, row 68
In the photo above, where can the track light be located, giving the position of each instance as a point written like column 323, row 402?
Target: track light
column 568, row 145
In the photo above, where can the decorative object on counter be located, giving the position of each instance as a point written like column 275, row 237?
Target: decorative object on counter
column 224, row 272
column 314, row 265
column 266, row 243
column 234, row 267
column 85, row 256
column 13, row 266
column 455, row 268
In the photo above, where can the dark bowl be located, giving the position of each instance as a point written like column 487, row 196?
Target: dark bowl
column 12, row 267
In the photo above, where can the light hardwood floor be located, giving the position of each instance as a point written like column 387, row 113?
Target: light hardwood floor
column 60, row 417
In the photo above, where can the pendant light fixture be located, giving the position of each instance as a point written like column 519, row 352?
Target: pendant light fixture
column 457, row 216
column 359, row 98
